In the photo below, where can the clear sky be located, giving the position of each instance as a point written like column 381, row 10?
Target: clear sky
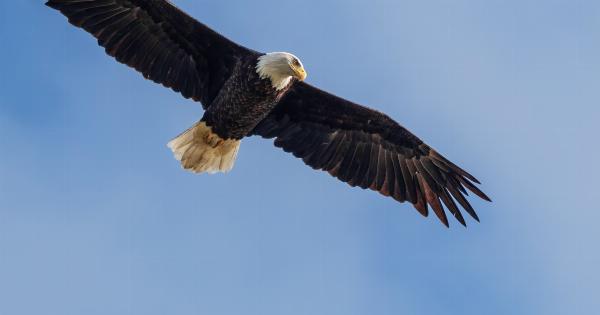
column 96, row 217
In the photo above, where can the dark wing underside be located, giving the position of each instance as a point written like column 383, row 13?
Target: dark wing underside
column 160, row 41
column 367, row 149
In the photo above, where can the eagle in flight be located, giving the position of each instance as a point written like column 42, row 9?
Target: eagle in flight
column 246, row 93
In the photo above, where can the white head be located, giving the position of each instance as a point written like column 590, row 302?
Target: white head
column 280, row 68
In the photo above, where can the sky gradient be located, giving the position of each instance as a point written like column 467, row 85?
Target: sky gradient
column 96, row 216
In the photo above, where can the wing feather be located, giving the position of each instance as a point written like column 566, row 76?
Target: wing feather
column 365, row 148
column 162, row 42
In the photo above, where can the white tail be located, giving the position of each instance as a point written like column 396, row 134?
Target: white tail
column 200, row 150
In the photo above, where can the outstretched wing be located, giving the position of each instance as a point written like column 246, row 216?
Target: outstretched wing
column 365, row 148
column 163, row 43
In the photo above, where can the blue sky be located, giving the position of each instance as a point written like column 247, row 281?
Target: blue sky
column 96, row 217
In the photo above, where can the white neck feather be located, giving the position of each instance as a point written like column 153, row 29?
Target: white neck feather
column 275, row 67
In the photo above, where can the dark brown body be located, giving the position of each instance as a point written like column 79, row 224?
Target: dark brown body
column 243, row 102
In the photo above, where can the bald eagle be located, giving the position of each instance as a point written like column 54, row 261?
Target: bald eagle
column 246, row 93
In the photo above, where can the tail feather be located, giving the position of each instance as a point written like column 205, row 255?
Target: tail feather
column 200, row 150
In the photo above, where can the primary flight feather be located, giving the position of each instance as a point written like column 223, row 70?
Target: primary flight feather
column 247, row 93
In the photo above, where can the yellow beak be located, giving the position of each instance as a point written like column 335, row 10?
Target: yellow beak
column 300, row 74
